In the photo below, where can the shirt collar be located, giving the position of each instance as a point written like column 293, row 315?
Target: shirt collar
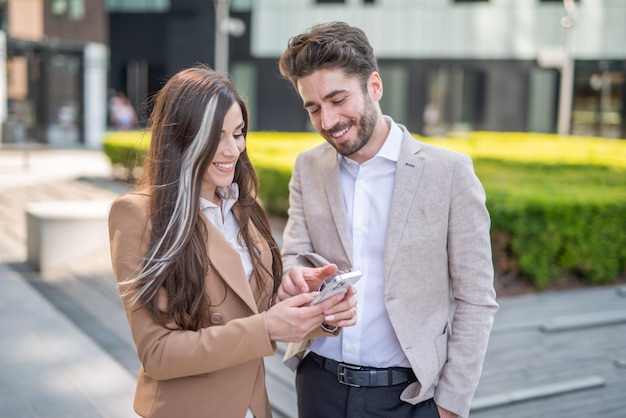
column 392, row 145
column 229, row 195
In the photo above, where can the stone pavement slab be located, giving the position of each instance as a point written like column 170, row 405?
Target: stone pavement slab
column 50, row 368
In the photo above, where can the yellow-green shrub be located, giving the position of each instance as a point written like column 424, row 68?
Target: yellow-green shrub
column 558, row 204
column 126, row 149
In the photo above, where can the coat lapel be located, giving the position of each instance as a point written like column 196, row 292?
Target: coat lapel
column 336, row 204
column 227, row 263
column 408, row 175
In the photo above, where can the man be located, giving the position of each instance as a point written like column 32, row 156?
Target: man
column 411, row 217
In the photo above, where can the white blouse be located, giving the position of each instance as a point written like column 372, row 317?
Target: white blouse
column 224, row 221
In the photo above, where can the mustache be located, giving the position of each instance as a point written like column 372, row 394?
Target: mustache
column 337, row 128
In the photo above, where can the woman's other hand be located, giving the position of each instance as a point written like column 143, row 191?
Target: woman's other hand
column 292, row 319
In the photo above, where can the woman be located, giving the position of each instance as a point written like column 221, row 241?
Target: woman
column 196, row 263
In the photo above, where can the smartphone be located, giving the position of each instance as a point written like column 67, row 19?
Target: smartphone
column 337, row 284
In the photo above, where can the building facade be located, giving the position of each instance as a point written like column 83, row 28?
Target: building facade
column 447, row 65
column 458, row 65
column 55, row 56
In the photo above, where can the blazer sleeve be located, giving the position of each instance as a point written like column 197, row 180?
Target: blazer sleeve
column 165, row 353
column 471, row 276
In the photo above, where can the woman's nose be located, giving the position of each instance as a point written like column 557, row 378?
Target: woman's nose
column 230, row 146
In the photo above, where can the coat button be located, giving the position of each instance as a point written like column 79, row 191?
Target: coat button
column 217, row 318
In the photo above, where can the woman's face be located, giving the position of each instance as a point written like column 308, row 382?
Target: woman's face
column 221, row 171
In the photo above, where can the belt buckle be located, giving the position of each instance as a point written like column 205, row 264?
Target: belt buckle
column 341, row 374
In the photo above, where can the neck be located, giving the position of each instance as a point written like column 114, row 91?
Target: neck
column 212, row 196
column 375, row 143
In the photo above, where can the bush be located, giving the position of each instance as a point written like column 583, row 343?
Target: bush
column 558, row 204
column 555, row 220
column 126, row 150
column 273, row 155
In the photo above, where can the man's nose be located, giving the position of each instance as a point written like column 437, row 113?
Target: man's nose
column 327, row 118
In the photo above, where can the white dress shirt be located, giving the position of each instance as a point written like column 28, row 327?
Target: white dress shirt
column 224, row 221
column 367, row 190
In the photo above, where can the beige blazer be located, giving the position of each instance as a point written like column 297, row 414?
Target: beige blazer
column 438, row 244
column 215, row 371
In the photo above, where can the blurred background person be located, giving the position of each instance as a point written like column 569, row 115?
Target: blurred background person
column 123, row 115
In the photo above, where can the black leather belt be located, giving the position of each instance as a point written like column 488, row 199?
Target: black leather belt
column 357, row 376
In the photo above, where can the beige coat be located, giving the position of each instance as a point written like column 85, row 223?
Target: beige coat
column 217, row 371
column 437, row 244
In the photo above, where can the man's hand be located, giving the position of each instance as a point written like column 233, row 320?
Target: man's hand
column 444, row 413
column 302, row 280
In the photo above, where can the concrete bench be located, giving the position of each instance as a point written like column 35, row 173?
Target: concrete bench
column 60, row 232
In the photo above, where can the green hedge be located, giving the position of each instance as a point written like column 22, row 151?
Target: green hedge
column 558, row 205
column 126, row 150
column 550, row 221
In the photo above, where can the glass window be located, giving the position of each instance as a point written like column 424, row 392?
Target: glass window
column 598, row 103
column 138, row 6
column 59, row 7
column 72, row 9
column 76, row 9
column 241, row 5
column 455, row 100
column 395, row 99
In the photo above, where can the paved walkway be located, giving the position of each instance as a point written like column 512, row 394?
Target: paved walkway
column 65, row 349
column 49, row 366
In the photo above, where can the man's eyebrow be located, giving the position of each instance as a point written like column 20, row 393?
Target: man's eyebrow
column 327, row 97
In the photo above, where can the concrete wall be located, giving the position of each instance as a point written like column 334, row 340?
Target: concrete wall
column 497, row 29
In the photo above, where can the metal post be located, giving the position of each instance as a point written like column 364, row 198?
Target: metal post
column 3, row 84
column 221, row 36
column 567, row 70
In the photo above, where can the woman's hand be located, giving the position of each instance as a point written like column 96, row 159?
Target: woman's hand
column 302, row 280
column 291, row 320
column 343, row 313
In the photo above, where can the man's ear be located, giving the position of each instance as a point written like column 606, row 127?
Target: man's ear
column 375, row 86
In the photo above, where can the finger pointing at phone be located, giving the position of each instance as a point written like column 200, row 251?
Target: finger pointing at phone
column 303, row 279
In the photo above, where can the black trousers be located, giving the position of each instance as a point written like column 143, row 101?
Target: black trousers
column 320, row 395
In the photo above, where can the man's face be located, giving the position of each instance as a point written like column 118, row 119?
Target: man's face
column 339, row 109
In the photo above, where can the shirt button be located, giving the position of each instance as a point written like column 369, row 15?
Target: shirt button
column 216, row 318
column 351, row 349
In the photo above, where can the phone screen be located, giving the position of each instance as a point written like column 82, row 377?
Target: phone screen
column 337, row 284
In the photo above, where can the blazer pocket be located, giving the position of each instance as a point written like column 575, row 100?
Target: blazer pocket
column 441, row 344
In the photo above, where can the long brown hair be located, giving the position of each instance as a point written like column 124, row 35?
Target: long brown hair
column 186, row 124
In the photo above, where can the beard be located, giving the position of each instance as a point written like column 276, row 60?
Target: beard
column 366, row 124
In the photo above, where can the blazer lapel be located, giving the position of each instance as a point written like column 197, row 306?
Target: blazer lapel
column 336, row 204
column 227, row 262
column 408, row 175
column 261, row 296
